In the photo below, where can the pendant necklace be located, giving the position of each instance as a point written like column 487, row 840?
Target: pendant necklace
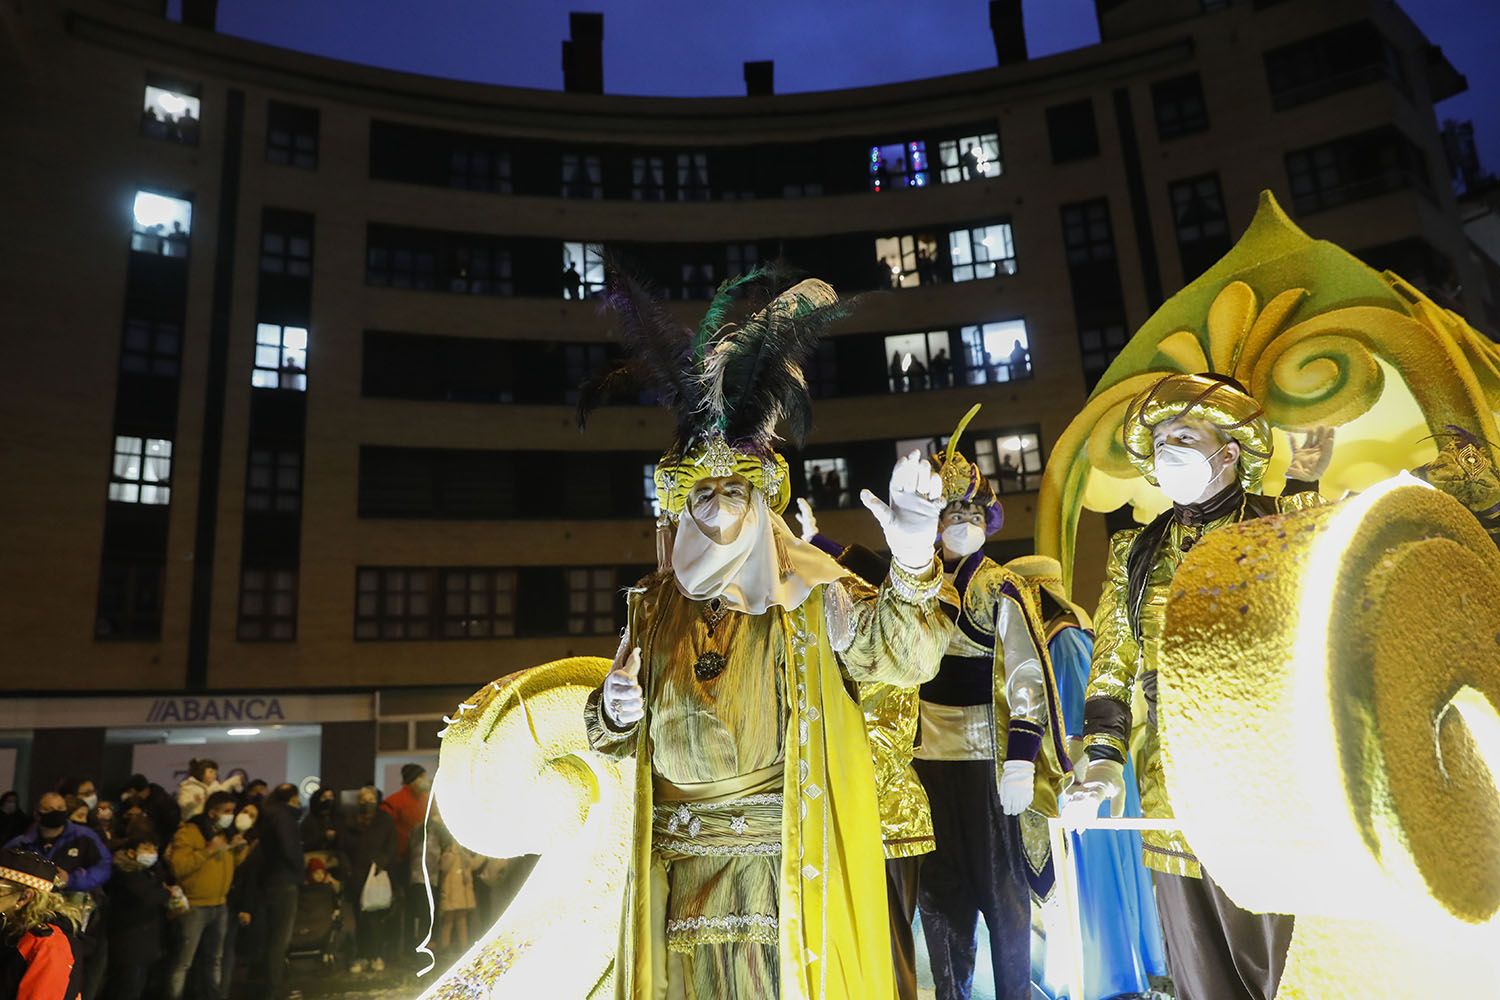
column 711, row 663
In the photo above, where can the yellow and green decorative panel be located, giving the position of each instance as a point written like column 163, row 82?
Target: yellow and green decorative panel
column 1318, row 338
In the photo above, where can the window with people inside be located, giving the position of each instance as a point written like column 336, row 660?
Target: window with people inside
column 828, row 482
column 582, row 270
column 980, row 354
column 171, row 112
column 161, row 224
column 280, row 357
column 934, row 257
column 969, row 158
column 898, row 165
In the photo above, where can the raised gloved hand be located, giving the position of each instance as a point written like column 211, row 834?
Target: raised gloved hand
column 910, row 520
column 1311, row 458
column 1100, row 780
column 1017, row 786
column 623, row 700
column 806, row 519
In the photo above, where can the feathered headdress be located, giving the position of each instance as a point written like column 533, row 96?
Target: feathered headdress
column 730, row 384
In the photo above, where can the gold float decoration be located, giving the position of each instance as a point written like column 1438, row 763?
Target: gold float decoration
column 1330, row 731
column 516, row 776
column 1318, row 338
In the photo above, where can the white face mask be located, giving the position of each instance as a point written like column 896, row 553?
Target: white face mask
column 243, row 822
column 1184, row 473
column 90, row 800
column 963, row 538
column 146, row 859
column 720, row 516
column 223, row 821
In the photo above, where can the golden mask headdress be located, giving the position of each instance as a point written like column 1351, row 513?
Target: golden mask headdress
column 963, row 482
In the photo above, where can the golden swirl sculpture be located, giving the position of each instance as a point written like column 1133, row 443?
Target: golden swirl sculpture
column 1329, row 687
column 1318, row 338
column 515, row 776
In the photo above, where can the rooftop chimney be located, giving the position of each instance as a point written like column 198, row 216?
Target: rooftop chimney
column 760, row 78
column 1009, row 28
column 200, row 14
column 583, row 54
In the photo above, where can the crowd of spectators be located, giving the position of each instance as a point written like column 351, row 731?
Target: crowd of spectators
column 209, row 890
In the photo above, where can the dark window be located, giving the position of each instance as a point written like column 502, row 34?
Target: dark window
column 1355, row 167
column 273, row 483
column 455, row 369
column 1201, row 224
column 1419, row 262
column 141, row 471
column 592, row 595
column 692, row 177
column 898, row 165
column 697, row 280
column 151, row 347
column 268, row 605
column 129, row 599
column 393, row 604
column 1331, row 62
column 648, row 178
column 172, row 111
column 1071, row 131
column 478, row 603
column 740, row 258
column 1094, row 275
column 582, row 176
column 480, row 170
column 428, row 260
column 292, row 135
column 822, row 370
column 580, row 363
column 970, row 157
column 286, row 244
column 1180, row 109
column 163, row 224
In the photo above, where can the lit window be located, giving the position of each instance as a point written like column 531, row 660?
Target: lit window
column 918, row 361
column 151, row 347
column 280, row 357
column 926, row 446
column 970, row 158
column 582, row 176
column 996, row 352
column 591, row 601
column 1012, row 461
column 274, row 481
column 268, row 604
column 479, row 603
column 142, row 471
column 162, row 224
column 692, row 177
column 648, row 178
column 907, row 261
column 650, row 503
column 583, row 270
column 392, row 604
column 171, row 112
column 898, row 165
column 827, row 482
column 291, row 135
column 480, row 170
column 981, row 252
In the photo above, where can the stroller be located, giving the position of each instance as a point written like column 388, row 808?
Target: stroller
column 319, row 928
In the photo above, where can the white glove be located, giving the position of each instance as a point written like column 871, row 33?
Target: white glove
column 1102, row 779
column 624, row 702
column 1311, row 458
column 806, row 519
column 910, row 521
column 1017, row 786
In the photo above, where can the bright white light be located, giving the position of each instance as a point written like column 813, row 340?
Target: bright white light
column 1012, row 444
column 172, row 104
column 905, row 361
column 294, row 338
column 988, row 242
column 160, row 210
column 244, row 732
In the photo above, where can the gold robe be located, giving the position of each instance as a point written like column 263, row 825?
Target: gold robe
column 1120, row 662
column 756, row 815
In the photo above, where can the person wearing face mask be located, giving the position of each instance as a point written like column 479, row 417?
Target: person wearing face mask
column 205, row 852
column 757, row 827
column 992, row 752
column 138, row 901
column 370, row 838
column 79, row 853
column 1206, row 442
column 322, row 824
column 37, row 925
column 245, row 921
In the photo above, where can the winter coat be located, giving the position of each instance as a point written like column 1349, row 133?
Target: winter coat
column 38, row 965
column 137, row 910
column 409, row 810
column 78, row 851
column 373, row 844
column 280, row 846
column 456, row 888
column 204, row 874
column 192, row 793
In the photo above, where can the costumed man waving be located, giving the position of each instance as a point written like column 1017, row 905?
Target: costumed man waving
column 1204, row 440
column 991, row 748
column 756, row 820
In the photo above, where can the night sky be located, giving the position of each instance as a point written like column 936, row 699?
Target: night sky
column 696, row 48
